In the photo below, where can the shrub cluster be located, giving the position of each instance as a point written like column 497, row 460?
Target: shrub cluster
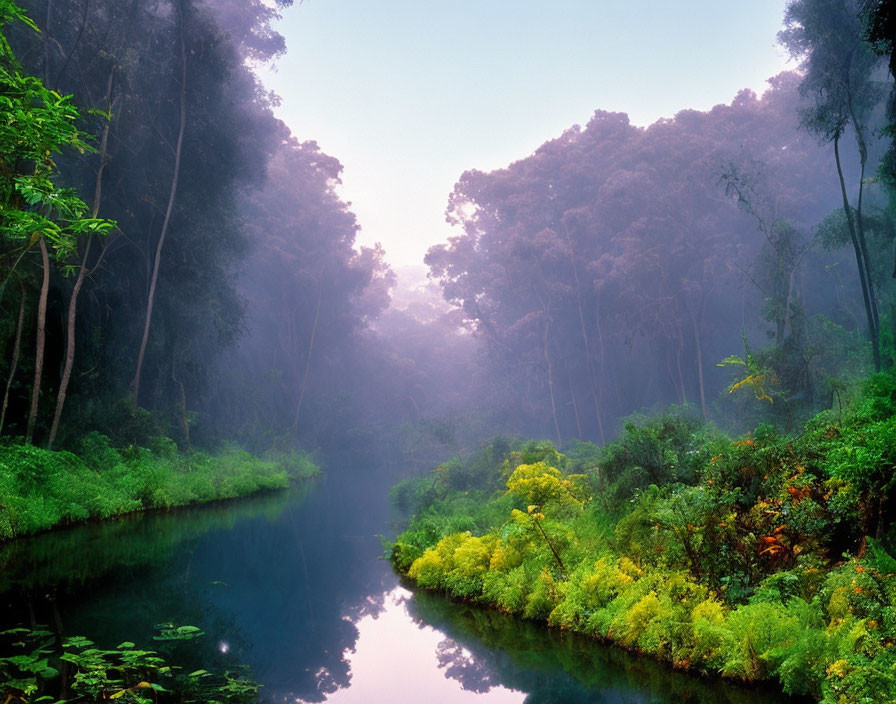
column 759, row 558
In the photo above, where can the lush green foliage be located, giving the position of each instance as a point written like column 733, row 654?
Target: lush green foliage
column 41, row 489
column 37, row 123
column 753, row 558
column 77, row 671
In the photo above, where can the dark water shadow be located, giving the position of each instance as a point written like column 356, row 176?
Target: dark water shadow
column 484, row 648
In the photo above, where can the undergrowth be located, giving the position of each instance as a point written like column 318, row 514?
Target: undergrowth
column 766, row 557
column 42, row 489
column 43, row 669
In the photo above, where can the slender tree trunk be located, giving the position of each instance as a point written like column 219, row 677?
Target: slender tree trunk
column 860, row 260
column 79, row 282
column 550, row 368
column 684, row 397
column 699, row 346
column 575, row 407
column 863, row 244
column 788, row 300
column 546, row 309
column 16, row 349
column 550, row 545
column 598, row 391
column 588, row 358
column 47, row 43
column 181, row 402
column 69, row 349
column 135, row 384
column 77, row 41
column 671, row 372
column 41, row 340
column 893, row 328
column 295, row 422
column 860, row 221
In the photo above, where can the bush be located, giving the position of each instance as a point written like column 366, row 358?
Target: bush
column 723, row 557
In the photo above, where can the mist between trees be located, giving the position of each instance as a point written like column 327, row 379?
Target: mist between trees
column 746, row 249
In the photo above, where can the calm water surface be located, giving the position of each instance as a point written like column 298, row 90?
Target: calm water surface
column 293, row 585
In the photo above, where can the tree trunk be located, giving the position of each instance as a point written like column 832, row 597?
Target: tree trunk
column 41, row 340
column 600, row 375
column 575, row 406
column 135, row 384
column 693, row 558
column 699, row 346
column 69, row 350
column 671, row 372
column 47, row 43
column 77, row 41
column 550, row 367
column 588, row 358
column 79, row 282
column 550, row 545
column 17, row 348
column 181, row 403
column 863, row 160
column 860, row 260
column 295, row 422
column 684, row 396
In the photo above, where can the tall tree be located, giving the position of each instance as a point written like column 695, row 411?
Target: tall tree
column 72, row 317
column 175, row 179
column 37, row 124
column 618, row 242
column 838, row 65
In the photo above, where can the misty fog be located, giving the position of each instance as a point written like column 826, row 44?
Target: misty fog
column 213, row 293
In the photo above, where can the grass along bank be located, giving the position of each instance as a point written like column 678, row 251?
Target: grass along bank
column 42, row 489
column 763, row 558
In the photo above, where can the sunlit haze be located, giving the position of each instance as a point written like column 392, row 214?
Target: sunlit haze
column 408, row 94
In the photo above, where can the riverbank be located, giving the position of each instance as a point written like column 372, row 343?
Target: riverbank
column 745, row 558
column 42, row 489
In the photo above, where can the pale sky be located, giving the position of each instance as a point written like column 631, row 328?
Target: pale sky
column 408, row 94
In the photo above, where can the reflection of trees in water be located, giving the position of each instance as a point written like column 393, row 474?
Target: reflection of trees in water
column 76, row 557
column 115, row 580
column 459, row 664
column 485, row 648
column 276, row 581
column 298, row 606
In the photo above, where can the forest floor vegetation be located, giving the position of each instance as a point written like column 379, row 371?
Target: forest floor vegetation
column 43, row 489
column 768, row 557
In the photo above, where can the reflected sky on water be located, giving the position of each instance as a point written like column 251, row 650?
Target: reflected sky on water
column 294, row 585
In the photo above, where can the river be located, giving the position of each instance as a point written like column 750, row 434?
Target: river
column 293, row 585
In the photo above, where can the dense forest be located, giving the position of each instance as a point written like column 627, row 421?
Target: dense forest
column 186, row 315
column 210, row 287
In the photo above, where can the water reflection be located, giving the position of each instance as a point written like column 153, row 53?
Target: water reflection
column 294, row 586
column 275, row 582
column 86, row 553
column 398, row 660
column 483, row 647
